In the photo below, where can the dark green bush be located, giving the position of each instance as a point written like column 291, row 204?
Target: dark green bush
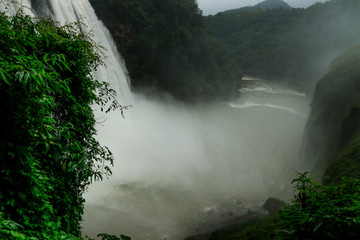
column 323, row 212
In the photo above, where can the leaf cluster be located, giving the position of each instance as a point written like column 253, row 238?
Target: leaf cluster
column 323, row 212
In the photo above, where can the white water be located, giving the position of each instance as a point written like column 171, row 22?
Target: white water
column 184, row 169
column 253, row 104
column 11, row 7
column 178, row 168
column 260, row 95
column 69, row 11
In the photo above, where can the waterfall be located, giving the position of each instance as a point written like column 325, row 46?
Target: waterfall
column 180, row 169
column 69, row 11
column 10, row 7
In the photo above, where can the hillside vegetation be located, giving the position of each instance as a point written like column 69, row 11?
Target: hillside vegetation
column 293, row 45
column 167, row 48
column 331, row 141
column 271, row 4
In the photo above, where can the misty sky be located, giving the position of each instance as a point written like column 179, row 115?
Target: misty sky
column 214, row 6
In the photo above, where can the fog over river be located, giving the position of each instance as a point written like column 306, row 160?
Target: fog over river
column 180, row 170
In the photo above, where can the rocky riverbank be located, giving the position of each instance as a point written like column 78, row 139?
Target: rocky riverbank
column 253, row 217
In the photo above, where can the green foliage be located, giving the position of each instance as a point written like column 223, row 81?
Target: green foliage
column 105, row 236
column 166, row 46
column 48, row 153
column 323, row 212
column 10, row 229
column 347, row 164
column 254, row 39
column 317, row 212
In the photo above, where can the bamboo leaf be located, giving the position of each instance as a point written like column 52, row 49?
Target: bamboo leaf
column 4, row 78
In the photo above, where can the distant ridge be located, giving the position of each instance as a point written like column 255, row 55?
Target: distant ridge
column 271, row 4
column 264, row 5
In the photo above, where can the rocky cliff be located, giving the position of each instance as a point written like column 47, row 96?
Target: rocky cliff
column 331, row 141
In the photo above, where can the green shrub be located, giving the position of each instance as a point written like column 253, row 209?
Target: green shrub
column 48, row 153
column 323, row 212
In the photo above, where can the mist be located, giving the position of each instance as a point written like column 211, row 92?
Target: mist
column 325, row 33
column 184, row 169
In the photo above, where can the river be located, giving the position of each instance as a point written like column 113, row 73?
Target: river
column 182, row 170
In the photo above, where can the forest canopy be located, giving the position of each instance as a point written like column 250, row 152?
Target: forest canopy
column 167, row 47
column 295, row 45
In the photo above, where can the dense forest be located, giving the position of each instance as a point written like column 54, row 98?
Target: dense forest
column 167, row 48
column 295, row 45
column 170, row 47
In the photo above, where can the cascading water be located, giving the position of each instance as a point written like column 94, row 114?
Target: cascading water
column 69, row 11
column 181, row 170
column 184, row 170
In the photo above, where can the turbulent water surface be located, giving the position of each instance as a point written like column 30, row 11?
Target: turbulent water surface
column 182, row 170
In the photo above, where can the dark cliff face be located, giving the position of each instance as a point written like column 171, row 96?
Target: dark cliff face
column 333, row 130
